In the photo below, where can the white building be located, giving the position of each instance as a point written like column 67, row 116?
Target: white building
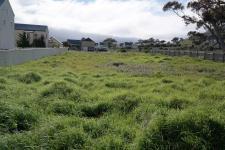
column 7, row 32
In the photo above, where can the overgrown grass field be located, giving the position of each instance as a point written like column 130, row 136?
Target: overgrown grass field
column 113, row 101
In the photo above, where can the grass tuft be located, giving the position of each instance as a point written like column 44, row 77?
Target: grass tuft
column 126, row 103
column 29, row 78
column 185, row 131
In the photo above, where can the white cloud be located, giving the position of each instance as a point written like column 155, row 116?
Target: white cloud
column 125, row 18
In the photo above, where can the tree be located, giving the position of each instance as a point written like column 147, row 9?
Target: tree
column 23, row 41
column 39, row 42
column 197, row 38
column 65, row 44
column 175, row 40
column 209, row 14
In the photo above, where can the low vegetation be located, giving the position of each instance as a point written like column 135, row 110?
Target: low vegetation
column 113, row 101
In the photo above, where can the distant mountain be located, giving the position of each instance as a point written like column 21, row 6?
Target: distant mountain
column 63, row 35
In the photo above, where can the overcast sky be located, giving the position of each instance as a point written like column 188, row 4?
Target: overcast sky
column 122, row 18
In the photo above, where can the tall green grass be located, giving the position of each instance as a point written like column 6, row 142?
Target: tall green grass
column 113, row 101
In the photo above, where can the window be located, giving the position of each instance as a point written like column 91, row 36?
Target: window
column 4, row 22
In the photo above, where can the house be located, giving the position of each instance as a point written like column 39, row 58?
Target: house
column 37, row 34
column 74, row 44
column 87, row 44
column 7, row 38
column 110, row 43
column 54, row 43
column 127, row 45
column 100, row 47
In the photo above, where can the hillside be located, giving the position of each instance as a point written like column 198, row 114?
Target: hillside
column 113, row 101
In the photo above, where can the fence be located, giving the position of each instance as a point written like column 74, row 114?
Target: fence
column 18, row 56
column 215, row 56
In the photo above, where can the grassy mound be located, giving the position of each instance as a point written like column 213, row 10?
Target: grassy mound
column 63, row 108
column 185, row 131
column 13, row 119
column 95, row 111
column 29, row 78
column 62, row 90
column 126, row 103
column 69, row 139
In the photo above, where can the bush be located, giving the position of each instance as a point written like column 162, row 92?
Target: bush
column 126, row 102
column 186, row 131
column 29, row 78
column 123, row 50
column 118, row 64
column 96, row 110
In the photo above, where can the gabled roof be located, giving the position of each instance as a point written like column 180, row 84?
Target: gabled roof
column 87, row 39
column 1, row 2
column 30, row 27
column 73, row 42
column 52, row 38
column 110, row 40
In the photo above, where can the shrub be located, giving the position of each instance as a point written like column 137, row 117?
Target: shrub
column 95, row 110
column 126, row 102
column 29, row 78
column 186, row 131
column 122, row 50
column 69, row 139
column 118, row 64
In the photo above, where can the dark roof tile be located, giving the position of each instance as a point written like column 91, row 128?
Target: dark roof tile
column 73, row 42
column 30, row 27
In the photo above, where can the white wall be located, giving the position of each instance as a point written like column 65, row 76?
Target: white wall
column 7, row 29
column 19, row 56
